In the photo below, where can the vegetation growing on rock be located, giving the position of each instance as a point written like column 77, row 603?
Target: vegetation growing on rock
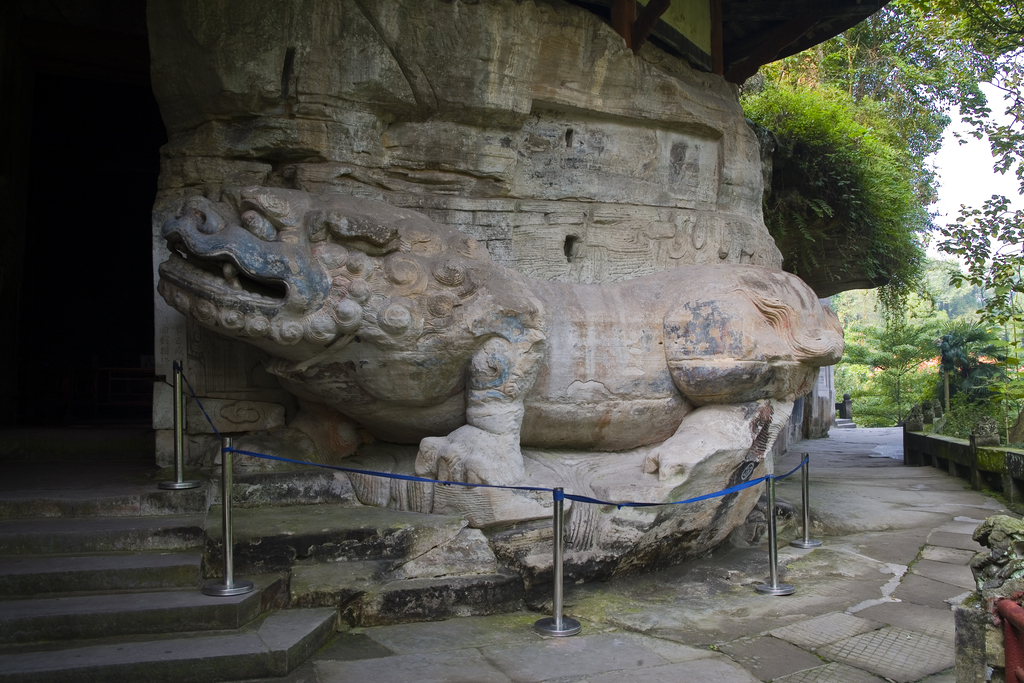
column 842, row 208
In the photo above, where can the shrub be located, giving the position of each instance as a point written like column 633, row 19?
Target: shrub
column 840, row 177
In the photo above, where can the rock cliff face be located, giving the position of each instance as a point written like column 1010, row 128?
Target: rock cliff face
column 528, row 125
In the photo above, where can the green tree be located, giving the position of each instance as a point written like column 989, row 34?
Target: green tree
column 895, row 354
column 970, row 355
column 901, row 64
column 994, row 32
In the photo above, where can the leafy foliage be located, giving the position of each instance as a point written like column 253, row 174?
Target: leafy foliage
column 902, row 64
column 964, row 414
column 994, row 32
column 971, row 353
column 989, row 241
column 839, row 180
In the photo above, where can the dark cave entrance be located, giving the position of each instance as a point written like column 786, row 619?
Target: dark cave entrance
column 91, row 135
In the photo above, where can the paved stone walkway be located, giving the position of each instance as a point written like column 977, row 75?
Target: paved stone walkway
column 872, row 604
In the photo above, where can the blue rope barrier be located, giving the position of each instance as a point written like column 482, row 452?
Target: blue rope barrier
column 716, row 494
column 196, row 399
column 557, row 494
column 386, row 475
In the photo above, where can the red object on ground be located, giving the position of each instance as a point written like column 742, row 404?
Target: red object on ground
column 1013, row 628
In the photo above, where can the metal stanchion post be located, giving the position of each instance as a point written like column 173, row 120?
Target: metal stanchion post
column 774, row 588
column 557, row 625
column 229, row 586
column 179, row 438
column 807, row 541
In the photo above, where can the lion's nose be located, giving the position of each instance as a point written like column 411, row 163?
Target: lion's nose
column 200, row 215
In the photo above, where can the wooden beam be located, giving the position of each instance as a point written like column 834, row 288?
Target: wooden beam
column 644, row 24
column 623, row 17
column 769, row 47
column 717, row 50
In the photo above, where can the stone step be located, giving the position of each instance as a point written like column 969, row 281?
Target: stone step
column 115, row 614
column 435, row 599
column 34, row 576
column 273, row 646
column 290, row 488
column 275, row 538
column 124, row 501
column 99, row 534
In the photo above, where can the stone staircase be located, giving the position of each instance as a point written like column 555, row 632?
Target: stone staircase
column 104, row 585
column 376, row 565
column 842, row 423
column 100, row 577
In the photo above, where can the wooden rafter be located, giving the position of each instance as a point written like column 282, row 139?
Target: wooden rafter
column 635, row 30
column 623, row 18
column 644, row 24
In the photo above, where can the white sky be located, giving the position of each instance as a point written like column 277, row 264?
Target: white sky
column 965, row 171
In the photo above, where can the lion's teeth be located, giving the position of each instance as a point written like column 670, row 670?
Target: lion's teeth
column 231, row 276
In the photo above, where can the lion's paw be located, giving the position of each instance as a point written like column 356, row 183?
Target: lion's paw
column 671, row 459
column 471, row 455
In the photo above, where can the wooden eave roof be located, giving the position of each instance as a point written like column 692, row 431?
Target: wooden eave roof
column 745, row 34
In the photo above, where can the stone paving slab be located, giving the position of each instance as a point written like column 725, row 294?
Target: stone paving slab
column 947, row 555
column 898, row 546
column 894, row 653
column 716, row 670
column 949, row 539
column 937, row 623
column 769, row 658
column 352, row 646
column 955, row 575
column 960, row 526
column 433, row 667
column 825, row 629
column 927, row 592
column 830, row 673
column 586, row 655
column 455, row 634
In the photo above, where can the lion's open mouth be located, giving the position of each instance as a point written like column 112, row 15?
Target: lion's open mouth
column 218, row 274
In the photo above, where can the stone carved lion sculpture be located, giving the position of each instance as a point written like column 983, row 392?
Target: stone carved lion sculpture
column 408, row 328
column 1004, row 561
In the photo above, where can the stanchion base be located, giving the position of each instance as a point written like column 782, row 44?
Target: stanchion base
column 781, row 589
column 801, row 543
column 220, row 590
column 548, row 627
column 178, row 485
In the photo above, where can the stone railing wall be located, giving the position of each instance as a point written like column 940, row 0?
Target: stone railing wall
column 996, row 468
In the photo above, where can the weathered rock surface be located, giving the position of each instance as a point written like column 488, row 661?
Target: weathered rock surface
column 530, row 126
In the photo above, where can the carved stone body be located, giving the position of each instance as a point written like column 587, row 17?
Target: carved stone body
column 986, row 432
column 407, row 327
column 915, row 418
